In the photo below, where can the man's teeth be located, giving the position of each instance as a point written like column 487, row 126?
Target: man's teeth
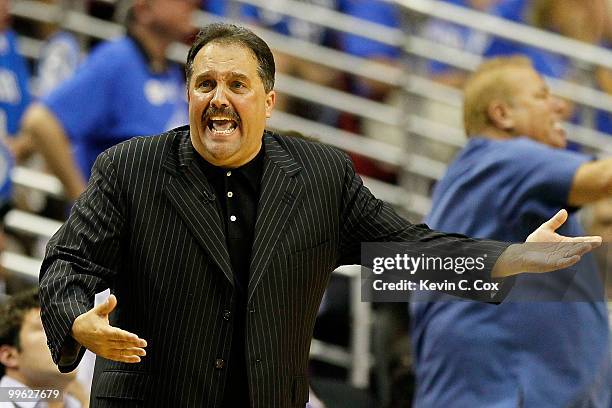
column 223, row 126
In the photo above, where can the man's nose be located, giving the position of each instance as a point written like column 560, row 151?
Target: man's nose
column 219, row 98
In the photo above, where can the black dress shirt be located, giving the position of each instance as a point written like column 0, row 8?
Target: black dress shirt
column 237, row 194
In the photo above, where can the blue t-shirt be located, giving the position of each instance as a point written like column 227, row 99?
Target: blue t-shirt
column 532, row 354
column 14, row 91
column 114, row 96
column 58, row 59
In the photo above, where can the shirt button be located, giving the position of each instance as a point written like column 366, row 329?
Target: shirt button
column 230, row 194
column 219, row 363
column 229, row 173
column 251, row 310
column 233, row 218
column 226, row 314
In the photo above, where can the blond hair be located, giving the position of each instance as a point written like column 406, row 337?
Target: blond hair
column 492, row 81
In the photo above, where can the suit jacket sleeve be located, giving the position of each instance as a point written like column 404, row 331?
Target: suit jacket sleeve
column 368, row 219
column 81, row 260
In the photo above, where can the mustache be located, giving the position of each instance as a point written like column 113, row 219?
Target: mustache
column 226, row 112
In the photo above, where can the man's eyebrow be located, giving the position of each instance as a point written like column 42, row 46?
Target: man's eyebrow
column 240, row 76
column 231, row 74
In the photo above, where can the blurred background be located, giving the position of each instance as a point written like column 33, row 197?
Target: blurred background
column 379, row 79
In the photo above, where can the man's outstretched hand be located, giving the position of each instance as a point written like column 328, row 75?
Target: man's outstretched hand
column 544, row 250
column 93, row 331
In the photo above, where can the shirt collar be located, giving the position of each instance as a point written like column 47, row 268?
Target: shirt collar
column 252, row 170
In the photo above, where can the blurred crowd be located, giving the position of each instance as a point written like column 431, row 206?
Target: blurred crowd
column 77, row 96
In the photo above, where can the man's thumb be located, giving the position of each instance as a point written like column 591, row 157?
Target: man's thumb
column 107, row 307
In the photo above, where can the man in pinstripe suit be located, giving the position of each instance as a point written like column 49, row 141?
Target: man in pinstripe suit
column 218, row 240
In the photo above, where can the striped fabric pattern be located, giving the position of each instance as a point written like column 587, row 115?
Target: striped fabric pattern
column 147, row 227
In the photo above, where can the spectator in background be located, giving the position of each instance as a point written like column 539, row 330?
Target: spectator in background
column 512, row 174
column 603, row 75
column 297, row 67
column 125, row 88
column 459, row 37
column 24, row 355
column 58, row 58
column 14, row 76
column 581, row 20
column 385, row 14
column 14, row 98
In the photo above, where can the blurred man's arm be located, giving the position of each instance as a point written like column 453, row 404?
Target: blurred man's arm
column 592, row 182
column 49, row 138
column 21, row 146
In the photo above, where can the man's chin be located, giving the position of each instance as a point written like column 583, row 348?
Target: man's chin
column 219, row 152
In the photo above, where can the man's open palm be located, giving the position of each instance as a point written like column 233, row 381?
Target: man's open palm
column 93, row 331
column 557, row 251
column 545, row 250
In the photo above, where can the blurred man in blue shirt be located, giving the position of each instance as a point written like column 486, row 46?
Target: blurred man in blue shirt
column 126, row 88
column 512, row 174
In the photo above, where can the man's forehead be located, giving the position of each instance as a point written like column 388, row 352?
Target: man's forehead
column 224, row 54
column 524, row 77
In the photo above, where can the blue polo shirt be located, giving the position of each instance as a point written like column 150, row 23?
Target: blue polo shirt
column 544, row 354
column 114, row 96
column 14, row 76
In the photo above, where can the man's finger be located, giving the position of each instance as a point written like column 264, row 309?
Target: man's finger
column 595, row 240
column 104, row 309
column 123, row 359
column 125, row 354
column 116, row 334
column 130, row 343
column 130, row 351
column 567, row 262
column 556, row 221
column 578, row 249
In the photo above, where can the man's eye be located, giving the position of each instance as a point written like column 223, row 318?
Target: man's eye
column 237, row 85
column 205, row 84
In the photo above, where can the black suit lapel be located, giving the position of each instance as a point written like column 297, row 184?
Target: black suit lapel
column 280, row 191
column 194, row 200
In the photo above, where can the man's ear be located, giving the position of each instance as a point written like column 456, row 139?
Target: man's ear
column 9, row 356
column 501, row 115
column 270, row 102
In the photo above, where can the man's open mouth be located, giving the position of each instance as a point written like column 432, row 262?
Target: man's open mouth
column 222, row 126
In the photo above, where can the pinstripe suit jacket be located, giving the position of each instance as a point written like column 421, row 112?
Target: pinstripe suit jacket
column 148, row 228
